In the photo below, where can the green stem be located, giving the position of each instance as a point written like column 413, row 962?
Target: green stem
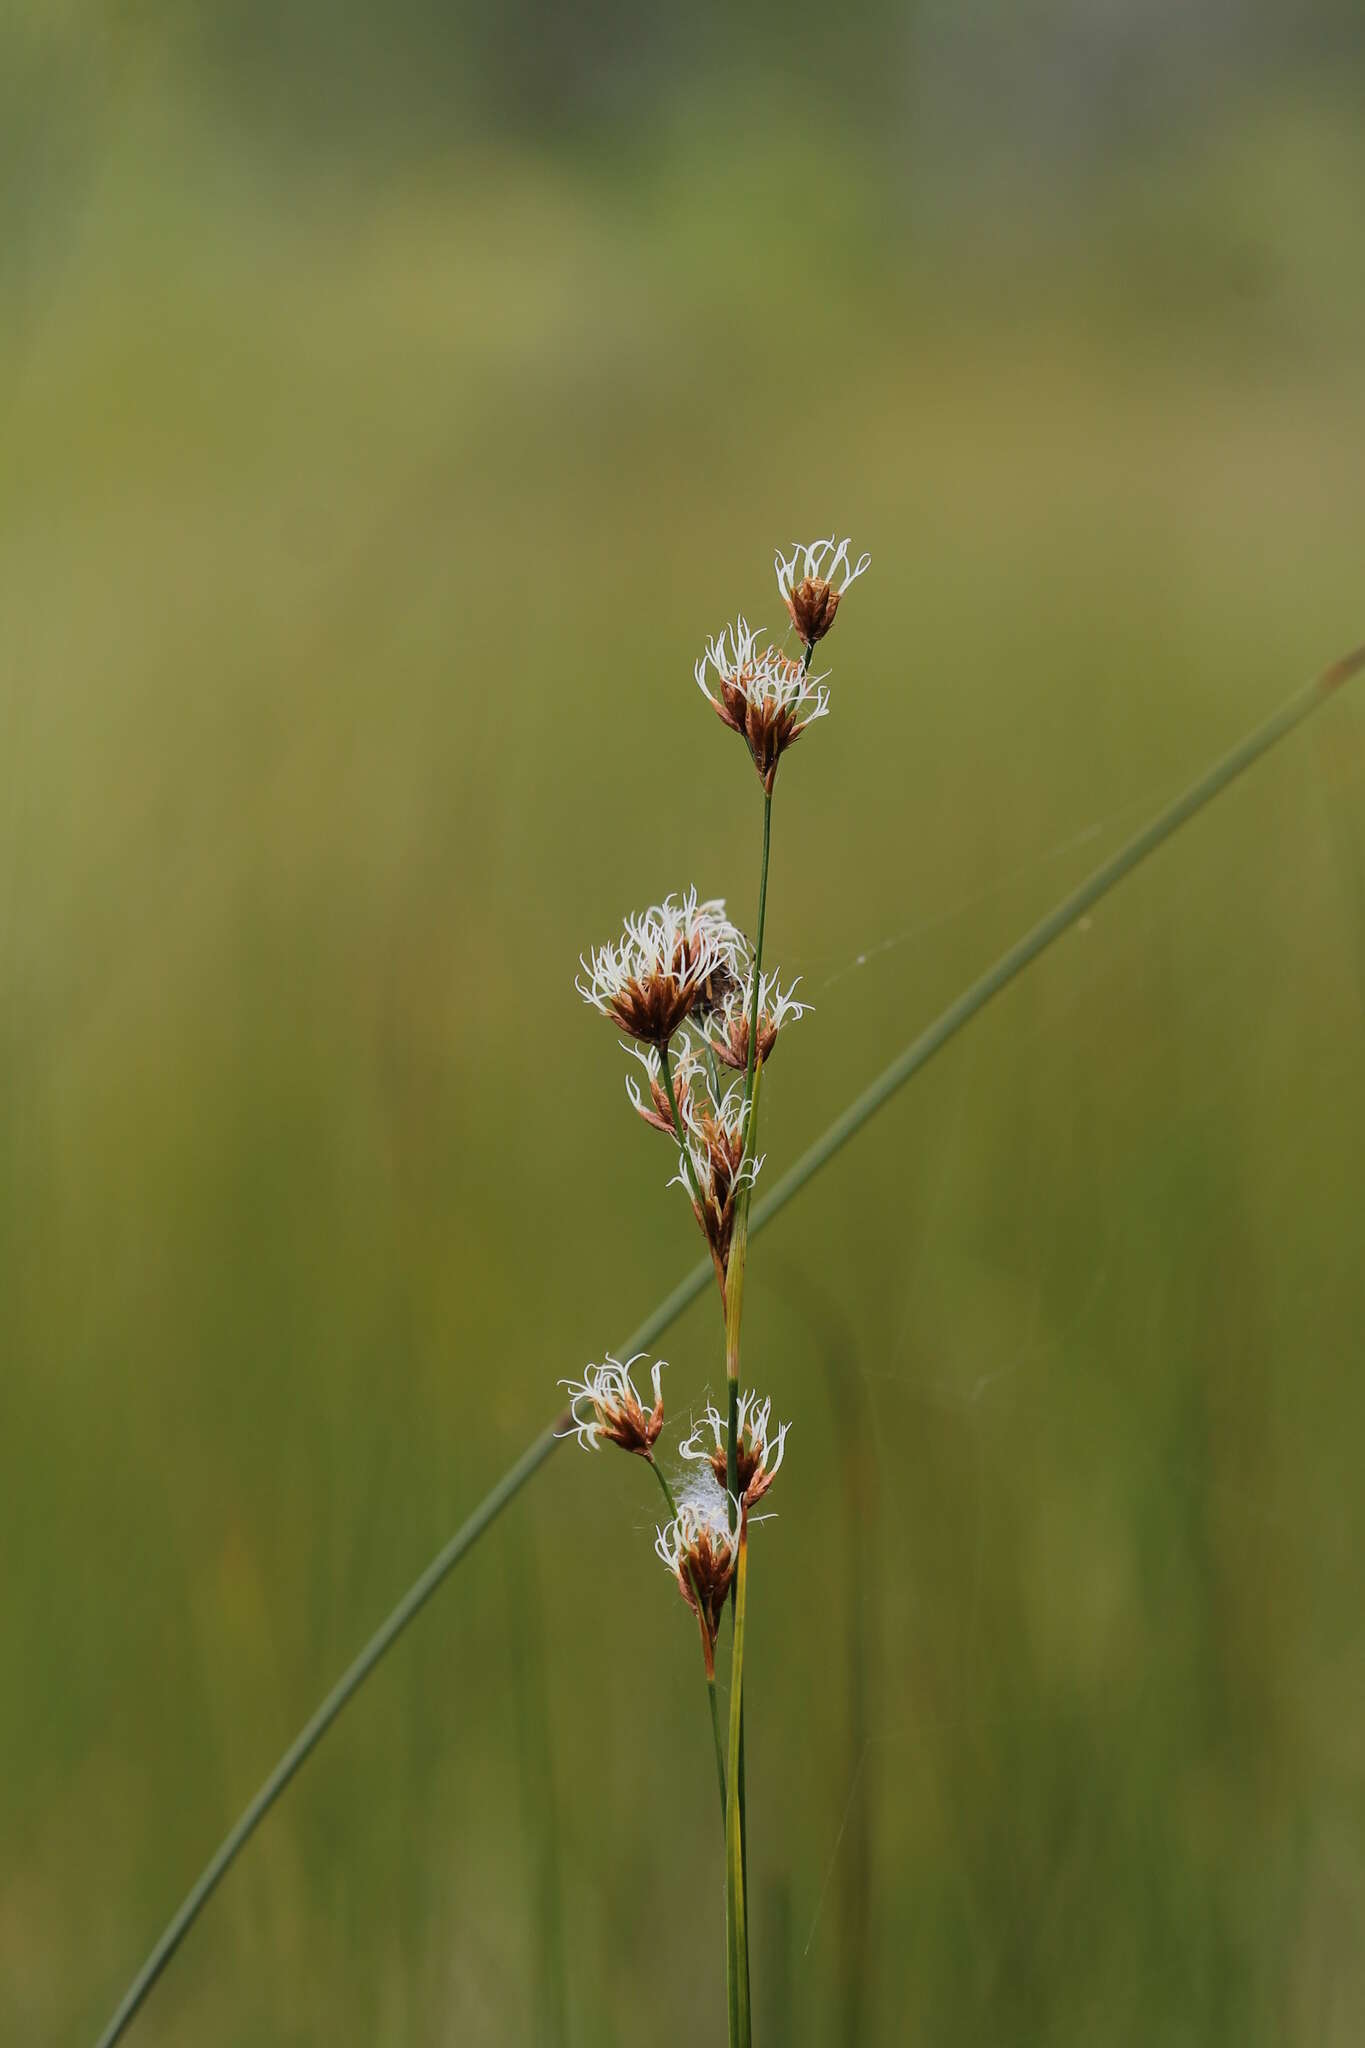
column 732, row 1450
column 715, row 1736
column 736, row 1912
column 752, row 1060
column 739, row 1238
column 903, row 1068
column 734, row 1316
column 707, row 1656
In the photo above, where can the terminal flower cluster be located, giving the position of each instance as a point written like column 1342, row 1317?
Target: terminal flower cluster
column 812, row 581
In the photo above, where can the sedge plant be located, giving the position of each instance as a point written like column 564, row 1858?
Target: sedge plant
column 702, row 1015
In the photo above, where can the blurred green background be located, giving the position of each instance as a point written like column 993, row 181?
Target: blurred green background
column 390, row 406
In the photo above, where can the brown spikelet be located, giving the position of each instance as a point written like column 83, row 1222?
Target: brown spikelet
column 812, row 605
column 705, row 1569
column 767, row 726
column 732, row 1050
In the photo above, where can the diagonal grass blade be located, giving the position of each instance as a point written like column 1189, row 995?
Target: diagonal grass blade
column 846, row 1126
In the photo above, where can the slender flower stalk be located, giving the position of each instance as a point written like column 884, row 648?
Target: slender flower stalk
column 737, row 1915
column 752, row 1077
column 812, row 602
column 734, row 1299
column 756, row 979
column 737, row 1819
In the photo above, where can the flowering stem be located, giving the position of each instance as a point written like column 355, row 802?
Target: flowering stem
column 734, row 1313
column 715, row 1735
column 688, row 1167
column 708, row 1655
column 739, row 1243
column 758, row 959
column 736, row 1914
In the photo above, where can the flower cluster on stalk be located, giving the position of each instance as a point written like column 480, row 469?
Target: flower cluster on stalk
column 614, row 1408
column 713, row 1167
column 700, row 1546
column 757, row 1456
column 768, row 697
column 700, row 1016
column 812, row 580
column 700, row 1543
column 728, row 1036
column 681, row 983
column 671, row 960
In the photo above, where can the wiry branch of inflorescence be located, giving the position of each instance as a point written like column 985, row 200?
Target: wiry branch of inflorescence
column 701, row 1016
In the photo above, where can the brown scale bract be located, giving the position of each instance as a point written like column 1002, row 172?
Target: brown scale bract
column 812, row 605
column 654, row 1008
column 660, row 1117
column 750, row 1479
column 732, row 1050
column 725, row 1154
column 705, row 1570
column 767, row 727
column 627, row 1423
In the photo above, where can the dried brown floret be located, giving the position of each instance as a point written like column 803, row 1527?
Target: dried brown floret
column 651, row 980
column 807, row 582
column 757, row 1456
column 616, row 1413
column 700, row 1549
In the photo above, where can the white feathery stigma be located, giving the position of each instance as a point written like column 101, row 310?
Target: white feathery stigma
column 615, row 1408
column 652, row 1104
column 752, row 1421
column 694, row 1446
column 679, row 944
column 758, row 1456
column 703, row 1514
column 818, row 561
column 776, row 1005
column 766, row 680
column 728, row 1120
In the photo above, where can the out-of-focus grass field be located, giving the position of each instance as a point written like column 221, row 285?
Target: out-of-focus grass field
column 358, row 538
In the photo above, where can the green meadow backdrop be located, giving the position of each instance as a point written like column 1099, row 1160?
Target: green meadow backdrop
column 388, row 411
